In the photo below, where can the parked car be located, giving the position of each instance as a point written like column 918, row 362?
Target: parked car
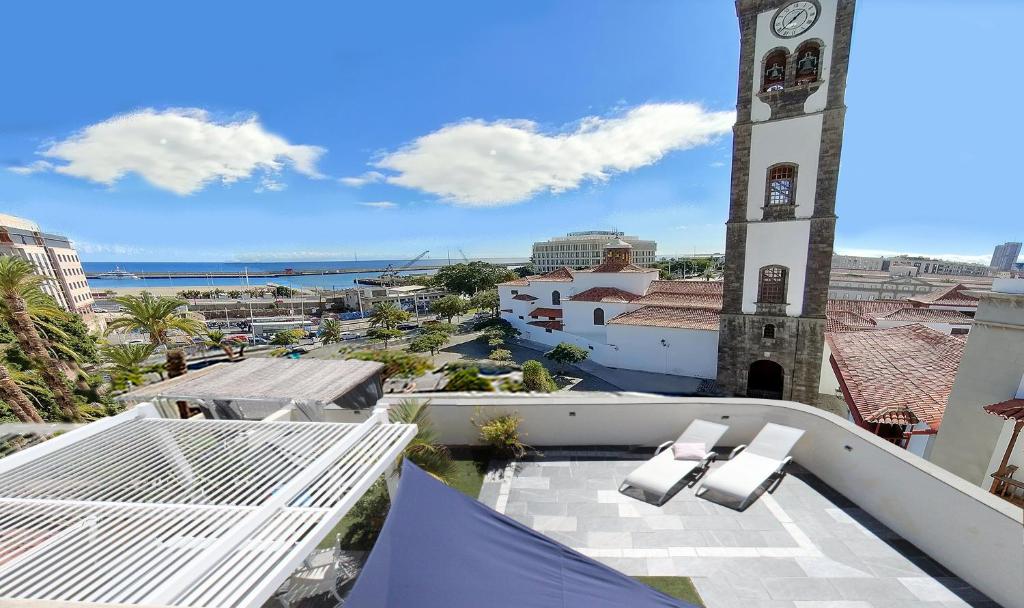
column 408, row 325
column 350, row 335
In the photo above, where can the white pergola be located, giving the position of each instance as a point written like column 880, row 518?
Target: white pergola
column 140, row 510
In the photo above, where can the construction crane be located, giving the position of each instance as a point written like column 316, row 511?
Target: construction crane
column 463, row 254
column 391, row 274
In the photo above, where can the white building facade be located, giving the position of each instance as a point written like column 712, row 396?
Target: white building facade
column 586, row 249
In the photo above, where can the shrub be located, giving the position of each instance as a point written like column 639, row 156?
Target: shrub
column 495, row 341
column 537, row 379
column 396, row 363
column 287, row 337
column 511, row 386
column 500, row 354
column 467, row 379
column 502, row 434
column 567, row 354
column 431, row 342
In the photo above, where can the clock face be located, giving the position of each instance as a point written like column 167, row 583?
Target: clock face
column 795, row 19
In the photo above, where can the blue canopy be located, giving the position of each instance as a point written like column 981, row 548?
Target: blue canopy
column 442, row 549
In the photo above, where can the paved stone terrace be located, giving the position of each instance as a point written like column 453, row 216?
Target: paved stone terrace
column 804, row 546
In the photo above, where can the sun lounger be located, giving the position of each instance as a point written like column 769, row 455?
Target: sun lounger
column 658, row 476
column 740, row 479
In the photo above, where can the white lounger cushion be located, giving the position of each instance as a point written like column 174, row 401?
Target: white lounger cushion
column 661, row 473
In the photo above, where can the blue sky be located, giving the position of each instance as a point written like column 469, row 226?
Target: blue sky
column 249, row 132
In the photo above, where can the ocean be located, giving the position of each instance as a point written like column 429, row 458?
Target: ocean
column 330, row 281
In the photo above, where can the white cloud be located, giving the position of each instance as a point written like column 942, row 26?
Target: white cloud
column 33, row 167
column 479, row 163
column 718, row 164
column 369, row 177
column 380, row 204
column 90, row 248
column 180, row 150
column 951, row 257
column 269, row 184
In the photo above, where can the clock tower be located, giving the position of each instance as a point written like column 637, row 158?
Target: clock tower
column 785, row 166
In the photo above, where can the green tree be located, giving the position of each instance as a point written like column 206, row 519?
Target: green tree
column 330, row 331
column 12, row 394
column 388, row 315
column 21, row 299
column 525, row 270
column 287, row 337
column 382, row 334
column 158, row 317
column 397, row 363
column 467, row 279
column 537, row 379
column 440, row 328
column 500, row 354
column 432, row 342
column 567, row 354
column 281, row 291
column 126, row 363
column 218, row 339
column 487, row 300
column 425, row 450
column 467, row 379
column 449, row 307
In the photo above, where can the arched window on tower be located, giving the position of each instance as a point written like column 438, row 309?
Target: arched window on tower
column 556, row 298
column 781, row 185
column 598, row 316
column 773, row 75
column 771, row 286
column 808, row 62
column 769, row 332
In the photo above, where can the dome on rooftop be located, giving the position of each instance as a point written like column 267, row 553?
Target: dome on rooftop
column 618, row 244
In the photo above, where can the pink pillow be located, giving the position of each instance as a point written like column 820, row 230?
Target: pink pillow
column 688, row 451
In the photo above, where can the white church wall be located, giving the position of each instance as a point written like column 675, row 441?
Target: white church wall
column 783, row 243
column 685, row 352
column 766, row 41
column 633, row 282
column 796, row 140
column 579, row 318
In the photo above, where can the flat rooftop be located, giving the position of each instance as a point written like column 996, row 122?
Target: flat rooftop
column 803, row 546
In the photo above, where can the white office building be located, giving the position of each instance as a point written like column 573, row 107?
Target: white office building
column 586, row 249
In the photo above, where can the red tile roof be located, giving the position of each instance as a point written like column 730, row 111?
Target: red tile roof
column 558, row 274
column 866, row 308
column 618, row 266
column 951, row 296
column 524, row 296
column 663, row 316
column 557, row 325
column 847, row 320
column 555, row 313
column 691, row 287
column 682, row 300
column 903, row 369
column 604, row 294
column 926, row 315
column 516, row 283
column 1012, row 409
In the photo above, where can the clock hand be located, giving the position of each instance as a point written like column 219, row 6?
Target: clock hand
column 795, row 15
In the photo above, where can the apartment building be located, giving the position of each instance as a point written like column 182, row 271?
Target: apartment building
column 1005, row 256
column 944, row 267
column 586, row 249
column 54, row 257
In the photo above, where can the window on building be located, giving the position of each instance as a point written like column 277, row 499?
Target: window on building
column 774, row 76
column 515, row 292
column 556, row 298
column 808, row 62
column 769, row 332
column 781, row 185
column 771, row 288
column 959, row 331
column 598, row 316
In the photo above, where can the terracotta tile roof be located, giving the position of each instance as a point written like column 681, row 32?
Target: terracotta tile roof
column 951, row 296
column 558, row 274
column 866, row 308
column 557, row 325
column 546, row 312
column 664, row 316
column 524, row 296
column 1008, row 410
column 926, row 315
column 847, row 320
column 682, row 300
column 516, row 283
column 618, row 266
column 604, row 294
column 691, row 287
column 889, row 371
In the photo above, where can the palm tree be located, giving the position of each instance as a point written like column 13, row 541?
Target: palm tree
column 388, row 315
column 424, row 450
column 126, row 361
column 15, row 398
column 330, row 331
column 22, row 298
column 218, row 339
column 157, row 317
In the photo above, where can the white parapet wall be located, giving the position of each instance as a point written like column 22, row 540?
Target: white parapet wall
column 976, row 535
